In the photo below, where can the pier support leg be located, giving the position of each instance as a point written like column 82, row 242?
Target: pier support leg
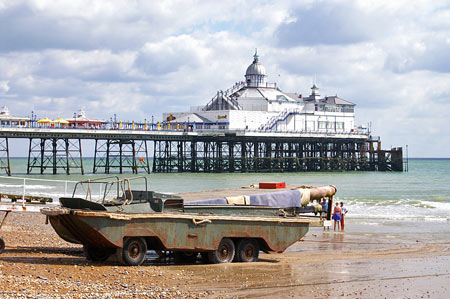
column 5, row 162
column 54, row 153
column 121, row 155
column 212, row 154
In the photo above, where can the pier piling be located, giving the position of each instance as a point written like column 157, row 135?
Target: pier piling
column 4, row 156
column 54, row 154
column 121, row 154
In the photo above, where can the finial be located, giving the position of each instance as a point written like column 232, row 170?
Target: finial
column 314, row 83
column 256, row 57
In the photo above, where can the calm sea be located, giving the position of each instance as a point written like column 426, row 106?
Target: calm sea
column 421, row 194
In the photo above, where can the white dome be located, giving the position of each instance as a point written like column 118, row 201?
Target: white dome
column 256, row 68
column 255, row 76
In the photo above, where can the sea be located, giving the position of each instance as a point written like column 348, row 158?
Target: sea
column 398, row 202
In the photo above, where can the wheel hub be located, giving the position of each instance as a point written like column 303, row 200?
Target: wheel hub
column 134, row 251
column 224, row 251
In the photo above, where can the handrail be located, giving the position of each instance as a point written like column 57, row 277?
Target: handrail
column 95, row 180
column 280, row 117
column 111, row 180
column 24, row 183
column 153, row 128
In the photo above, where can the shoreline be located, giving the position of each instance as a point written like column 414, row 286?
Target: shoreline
column 358, row 263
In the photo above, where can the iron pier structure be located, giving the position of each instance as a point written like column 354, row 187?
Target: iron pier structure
column 117, row 151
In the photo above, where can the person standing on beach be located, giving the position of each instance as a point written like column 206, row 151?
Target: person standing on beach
column 324, row 212
column 343, row 212
column 337, row 216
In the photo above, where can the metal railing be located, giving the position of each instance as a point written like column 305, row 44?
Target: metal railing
column 27, row 188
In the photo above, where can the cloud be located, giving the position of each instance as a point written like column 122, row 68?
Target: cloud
column 330, row 23
column 171, row 54
column 83, row 25
column 423, row 52
column 138, row 59
column 95, row 65
column 4, row 87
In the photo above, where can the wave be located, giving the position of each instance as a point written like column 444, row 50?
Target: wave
column 440, row 199
column 20, row 187
column 425, row 202
column 399, row 217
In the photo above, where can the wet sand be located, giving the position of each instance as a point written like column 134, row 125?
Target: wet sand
column 359, row 263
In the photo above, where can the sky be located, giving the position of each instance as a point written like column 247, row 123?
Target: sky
column 138, row 59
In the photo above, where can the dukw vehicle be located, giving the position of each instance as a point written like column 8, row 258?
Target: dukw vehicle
column 127, row 223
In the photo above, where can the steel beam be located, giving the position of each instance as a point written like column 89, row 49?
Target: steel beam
column 5, row 162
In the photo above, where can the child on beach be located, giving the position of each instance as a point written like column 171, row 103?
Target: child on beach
column 337, row 216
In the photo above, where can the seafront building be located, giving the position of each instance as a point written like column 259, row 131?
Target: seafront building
column 6, row 119
column 255, row 104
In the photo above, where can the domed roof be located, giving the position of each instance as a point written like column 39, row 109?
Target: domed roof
column 256, row 68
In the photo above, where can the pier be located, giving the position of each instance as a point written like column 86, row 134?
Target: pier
column 252, row 126
column 59, row 150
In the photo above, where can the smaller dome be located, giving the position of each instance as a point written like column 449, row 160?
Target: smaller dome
column 256, row 68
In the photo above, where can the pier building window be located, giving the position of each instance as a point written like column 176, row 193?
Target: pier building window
column 331, row 125
column 335, row 108
column 322, row 124
column 348, row 108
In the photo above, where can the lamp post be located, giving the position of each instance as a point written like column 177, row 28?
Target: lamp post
column 115, row 120
column 152, row 122
column 32, row 118
column 75, row 118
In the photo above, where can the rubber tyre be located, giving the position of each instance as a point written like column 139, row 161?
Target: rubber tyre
column 2, row 245
column 133, row 252
column 247, row 251
column 94, row 254
column 224, row 254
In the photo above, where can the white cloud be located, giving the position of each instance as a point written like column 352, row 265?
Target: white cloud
column 141, row 58
column 4, row 87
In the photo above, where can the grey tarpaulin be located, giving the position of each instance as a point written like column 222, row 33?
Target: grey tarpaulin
column 282, row 199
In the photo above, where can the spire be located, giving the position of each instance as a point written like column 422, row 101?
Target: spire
column 315, row 92
column 256, row 57
column 314, row 88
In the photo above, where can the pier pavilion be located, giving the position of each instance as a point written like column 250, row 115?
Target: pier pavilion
column 255, row 104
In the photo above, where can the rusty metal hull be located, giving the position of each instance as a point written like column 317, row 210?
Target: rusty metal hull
column 174, row 231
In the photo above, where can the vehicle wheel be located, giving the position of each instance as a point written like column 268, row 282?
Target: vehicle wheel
column 224, row 254
column 185, row 256
column 247, row 251
column 133, row 252
column 95, row 254
column 2, row 245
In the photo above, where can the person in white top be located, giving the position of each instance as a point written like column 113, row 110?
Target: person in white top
column 344, row 211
